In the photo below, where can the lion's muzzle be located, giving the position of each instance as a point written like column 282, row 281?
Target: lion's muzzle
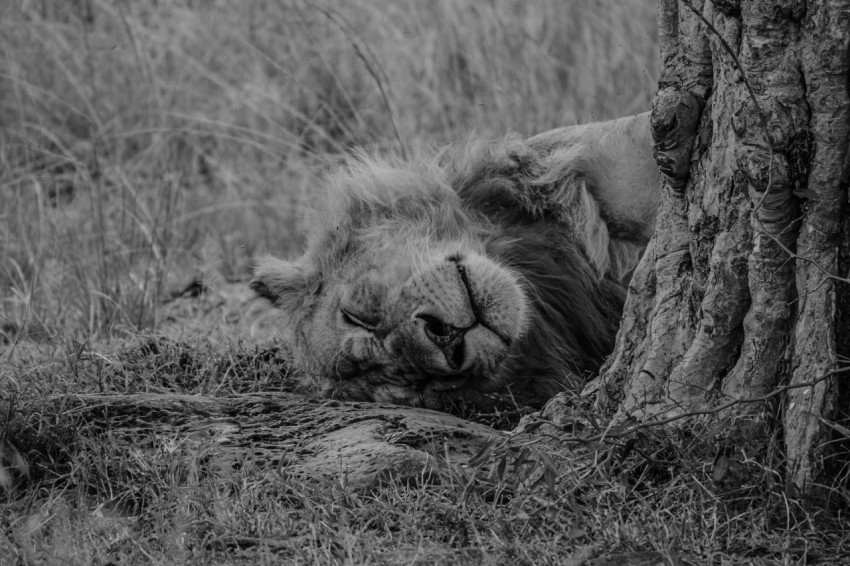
column 468, row 313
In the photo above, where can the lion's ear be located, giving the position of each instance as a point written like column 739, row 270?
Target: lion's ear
column 282, row 283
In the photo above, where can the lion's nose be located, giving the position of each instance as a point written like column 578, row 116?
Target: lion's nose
column 447, row 338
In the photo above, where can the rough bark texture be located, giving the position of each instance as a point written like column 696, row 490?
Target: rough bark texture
column 734, row 297
column 825, row 62
column 362, row 444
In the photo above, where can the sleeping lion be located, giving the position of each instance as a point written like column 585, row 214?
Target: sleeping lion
column 490, row 272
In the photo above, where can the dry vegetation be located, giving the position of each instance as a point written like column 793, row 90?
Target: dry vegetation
column 147, row 144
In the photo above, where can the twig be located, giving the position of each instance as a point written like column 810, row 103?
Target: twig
column 607, row 434
column 763, row 120
column 750, row 91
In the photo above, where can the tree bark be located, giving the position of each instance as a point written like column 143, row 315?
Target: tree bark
column 362, row 444
column 739, row 292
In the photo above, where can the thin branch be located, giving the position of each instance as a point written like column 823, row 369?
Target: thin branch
column 794, row 255
column 764, row 125
column 750, row 91
column 606, row 434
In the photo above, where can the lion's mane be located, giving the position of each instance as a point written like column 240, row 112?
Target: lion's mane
column 547, row 226
column 526, row 245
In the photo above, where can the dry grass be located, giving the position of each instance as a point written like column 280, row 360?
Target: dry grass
column 145, row 144
column 107, row 499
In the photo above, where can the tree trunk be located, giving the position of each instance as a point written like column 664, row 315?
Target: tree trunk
column 738, row 295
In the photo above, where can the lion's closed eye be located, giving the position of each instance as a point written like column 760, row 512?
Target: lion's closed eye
column 362, row 321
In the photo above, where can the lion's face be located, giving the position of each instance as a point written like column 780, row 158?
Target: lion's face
column 485, row 274
column 396, row 299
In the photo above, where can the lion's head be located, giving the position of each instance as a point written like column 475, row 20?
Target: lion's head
column 472, row 274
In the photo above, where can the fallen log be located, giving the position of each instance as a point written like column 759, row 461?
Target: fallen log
column 362, row 444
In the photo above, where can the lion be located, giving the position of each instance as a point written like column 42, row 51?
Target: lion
column 488, row 272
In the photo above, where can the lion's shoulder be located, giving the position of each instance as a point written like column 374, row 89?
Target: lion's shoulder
column 597, row 181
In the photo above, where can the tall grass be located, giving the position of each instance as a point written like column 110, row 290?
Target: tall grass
column 145, row 143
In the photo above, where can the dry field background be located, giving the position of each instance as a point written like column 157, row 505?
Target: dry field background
column 147, row 144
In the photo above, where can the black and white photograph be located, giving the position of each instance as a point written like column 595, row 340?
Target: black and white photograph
column 425, row 282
